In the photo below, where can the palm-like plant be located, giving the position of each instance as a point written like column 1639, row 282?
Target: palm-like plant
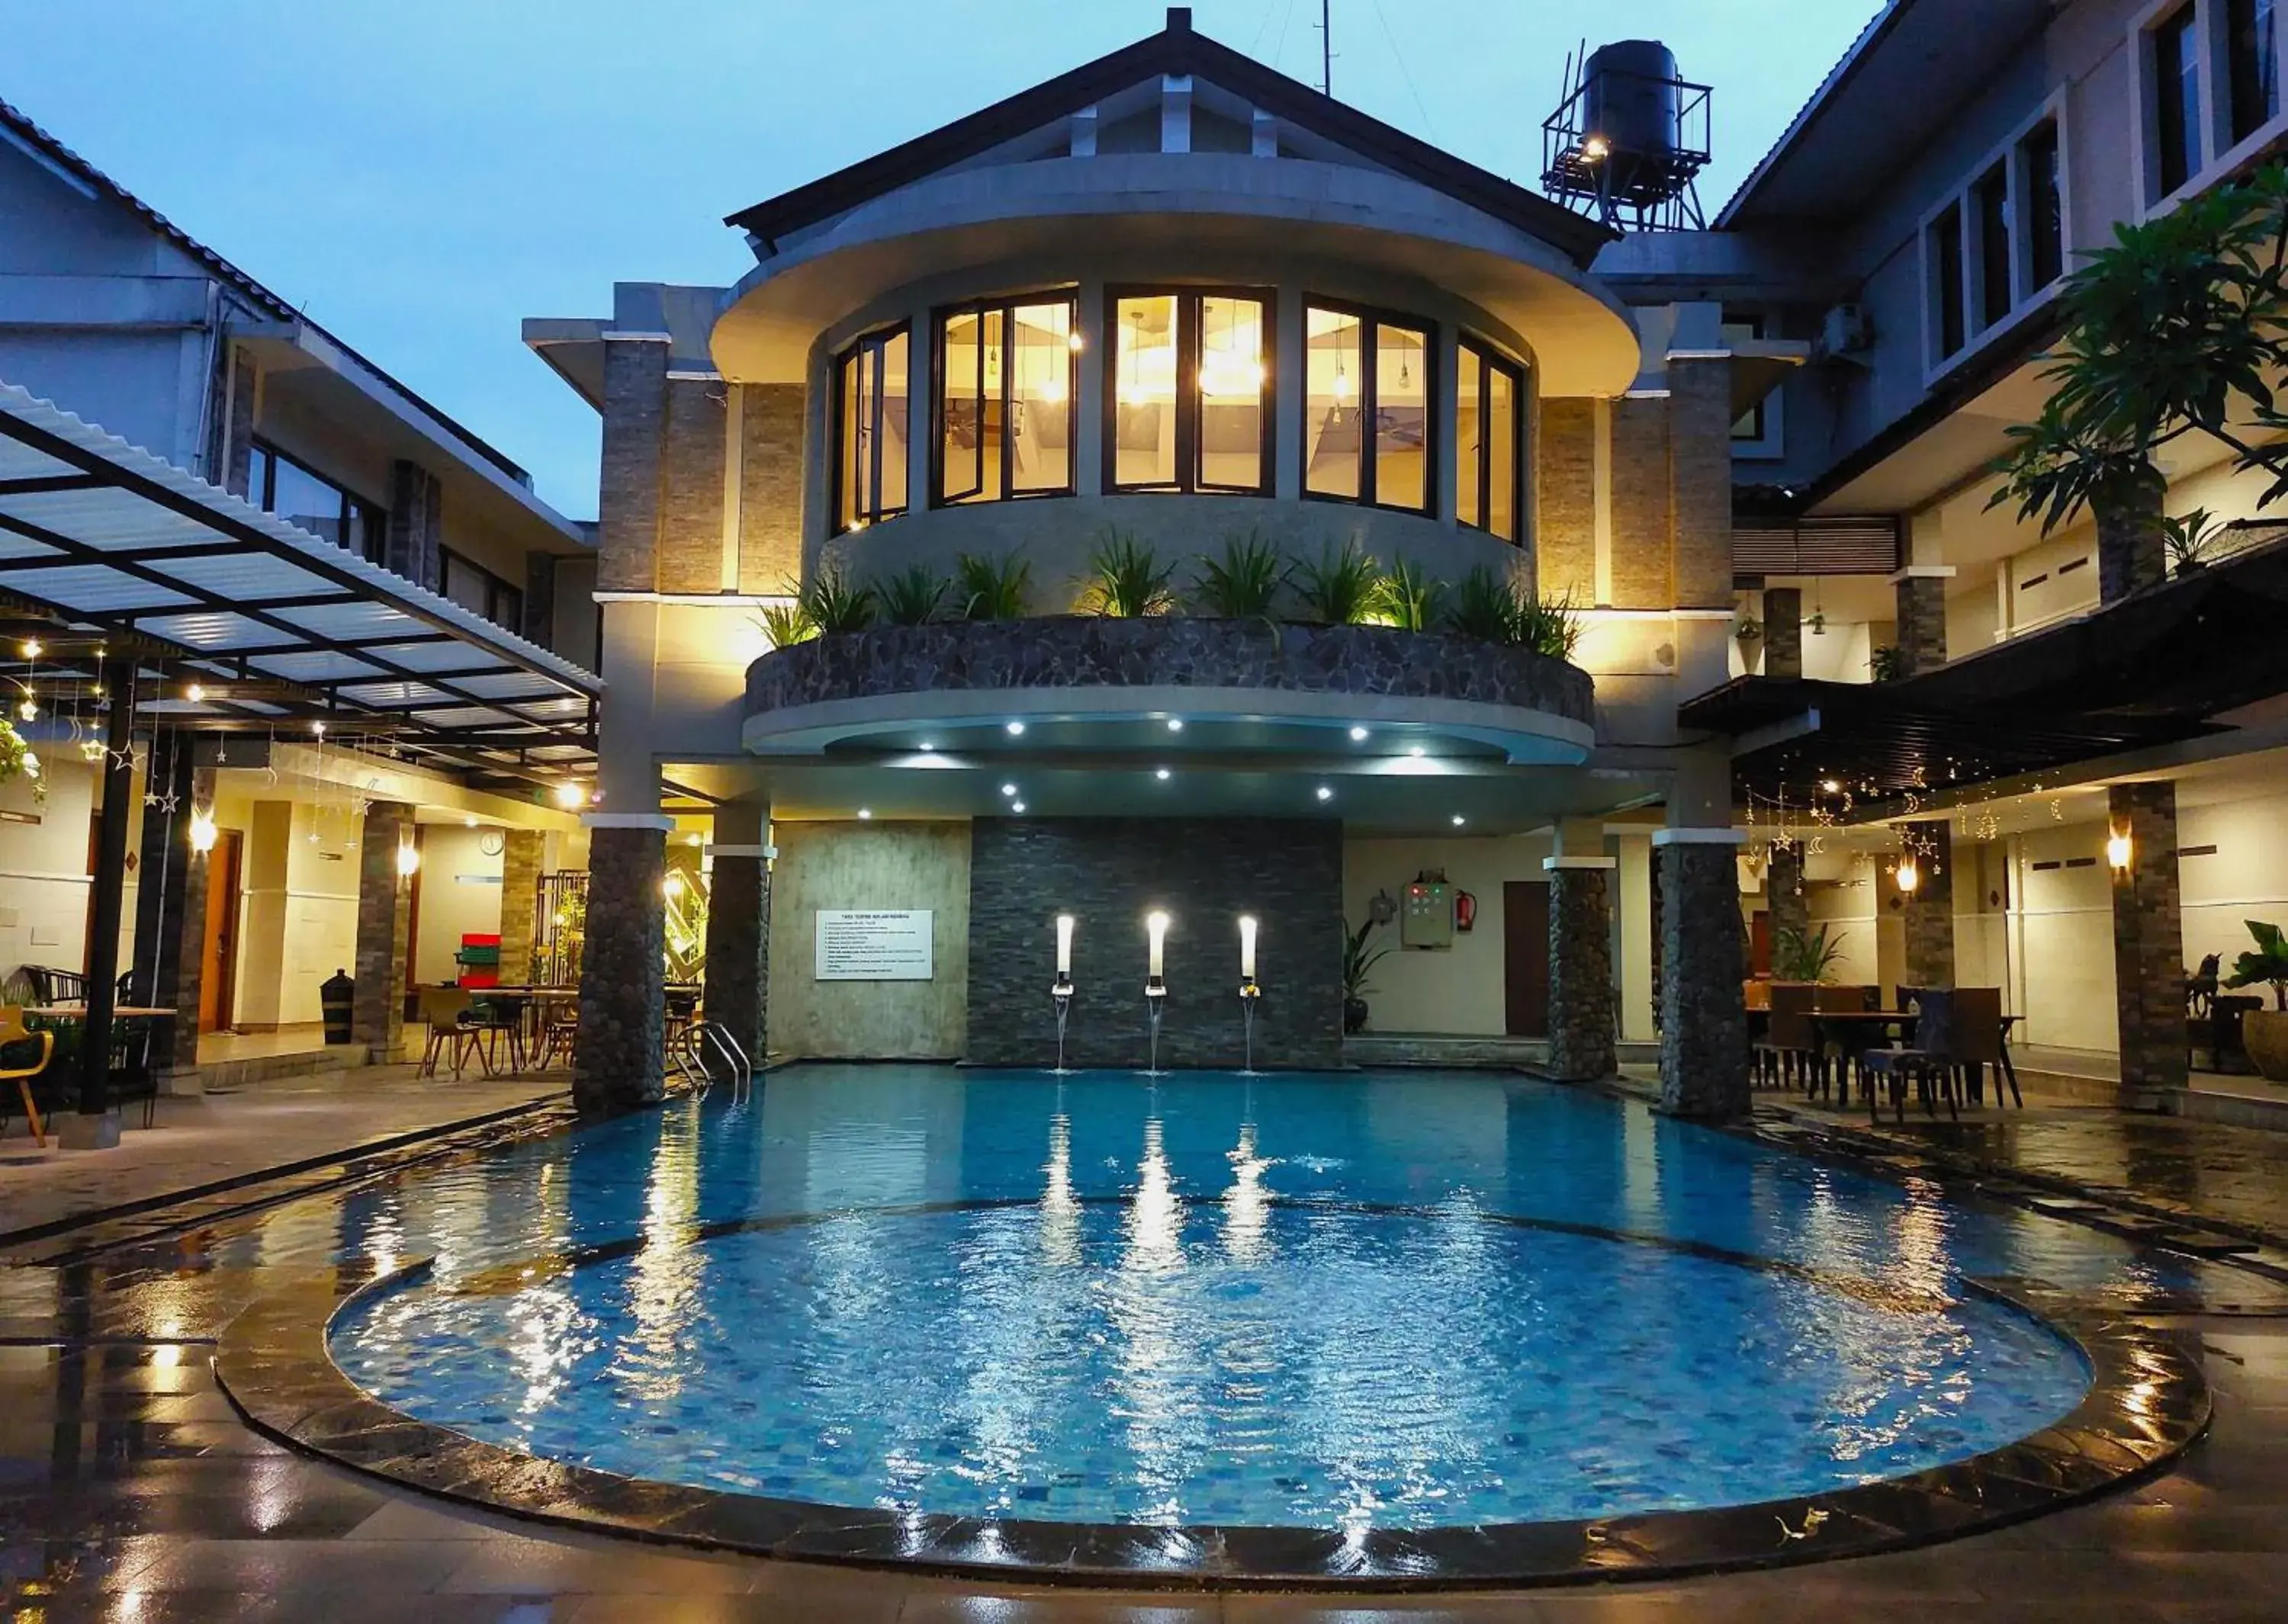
column 992, row 588
column 1339, row 589
column 913, row 597
column 833, row 605
column 1243, row 584
column 2268, row 966
column 1806, row 955
column 2192, row 538
column 1484, row 606
column 1547, row 625
column 1359, row 960
column 1127, row 579
column 1408, row 599
column 787, row 624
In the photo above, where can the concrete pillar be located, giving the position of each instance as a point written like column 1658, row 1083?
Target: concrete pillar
column 171, row 904
column 2148, row 947
column 1784, row 631
column 1703, row 1016
column 232, row 459
column 1581, row 1025
column 617, row 1064
column 412, row 538
column 1791, row 906
column 739, row 926
column 96, row 1126
column 520, row 858
column 1632, row 902
column 1922, row 616
column 1930, row 909
column 384, row 921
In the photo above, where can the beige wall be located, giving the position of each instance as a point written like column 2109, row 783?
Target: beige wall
column 460, row 892
column 2061, row 932
column 298, row 918
column 1459, row 991
column 870, row 866
column 43, row 865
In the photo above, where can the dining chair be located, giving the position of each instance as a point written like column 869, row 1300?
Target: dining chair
column 446, row 1011
column 13, row 1032
column 1928, row 1062
column 1978, row 1039
column 560, row 1031
column 1791, row 1051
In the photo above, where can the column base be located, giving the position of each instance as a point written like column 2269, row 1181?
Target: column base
column 182, row 1082
column 2150, row 1099
column 76, row 1130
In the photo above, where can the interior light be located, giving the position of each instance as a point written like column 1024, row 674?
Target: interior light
column 203, row 829
column 1076, row 342
column 2118, row 851
column 470, row 822
column 1909, row 876
column 31, row 764
column 1051, row 391
column 672, row 887
column 1831, row 786
column 1008, row 789
column 1016, row 806
column 1358, row 735
column 318, row 728
column 568, row 795
column 695, row 839
column 409, row 858
column 1015, row 728
column 194, row 693
column 1325, row 794
column 28, row 708
column 1161, row 774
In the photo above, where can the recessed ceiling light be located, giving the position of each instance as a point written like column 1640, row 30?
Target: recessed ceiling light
column 471, row 822
column 1015, row 728
column 1008, row 789
column 1358, row 735
column 1161, row 774
column 1016, row 806
column 1325, row 794
column 1415, row 752
column 928, row 748
column 1459, row 820
column 1175, row 724
column 865, row 812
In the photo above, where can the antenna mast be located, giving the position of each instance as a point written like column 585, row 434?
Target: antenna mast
column 1326, row 48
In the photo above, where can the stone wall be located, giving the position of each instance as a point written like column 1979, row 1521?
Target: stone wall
column 1929, row 912
column 867, row 866
column 1784, row 892
column 1700, row 481
column 1108, row 873
column 690, row 558
column 1084, row 651
column 384, row 921
column 520, row 858
column 170, row 897
column 1703, row 1020
column 1784, row 631
column 1922, row 623
column 770, row 486
column 2148, row 948
column 1580, row 973
column 616, row 1063
column 411, row 537
column 628, row 501
column 1643, row 557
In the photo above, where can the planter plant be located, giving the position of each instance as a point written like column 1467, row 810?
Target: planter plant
column 2191, row 539
column 787, row 624
column 912, row 598
column 1341, row 589
column 1888, row 664
column 991, row 588
column 1806, row 955
column 1408, row 599
column 1358, row 959
column 2264, row 1033
column 1243, row 584
column 833, row 605
column 1127, row 579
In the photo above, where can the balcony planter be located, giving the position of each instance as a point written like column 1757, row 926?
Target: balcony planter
column 2264, row 1035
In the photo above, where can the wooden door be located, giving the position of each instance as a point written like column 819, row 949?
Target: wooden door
column 1759, row 944
column 1525, row 956
column 219, row 955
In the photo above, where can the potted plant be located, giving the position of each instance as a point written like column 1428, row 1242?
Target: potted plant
column 1358, row 959
column 2191, row 539
column 1888, row 664
column 1806, row 955
column 2264, row 1033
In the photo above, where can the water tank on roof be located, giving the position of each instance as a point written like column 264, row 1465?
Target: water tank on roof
column 1632, row 96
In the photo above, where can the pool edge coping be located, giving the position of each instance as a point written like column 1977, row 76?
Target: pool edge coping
column 2148, row 1402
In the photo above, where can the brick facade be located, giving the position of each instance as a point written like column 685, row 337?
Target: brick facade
column 617, row 1063
column 1790, row 907
column 1110, row 874
column 690, row 556
column 1565, row 536
column 2131, row 554
column 2149, row 947
column 1581, row 998
column 1928, row 915
column 1782, row 637
column 1700, row 482
column 384, row 924
column 628, row 499
column 739, row 933
column 521, row 860
column 772, row 418
column 1703, row 1018
column 1922, row 623
column 1643, row 512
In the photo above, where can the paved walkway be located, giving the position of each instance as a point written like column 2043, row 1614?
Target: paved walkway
column 226, row 1137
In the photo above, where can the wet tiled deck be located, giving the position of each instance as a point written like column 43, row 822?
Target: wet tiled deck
column 129, row 1491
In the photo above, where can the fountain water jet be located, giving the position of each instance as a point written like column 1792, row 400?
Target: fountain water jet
column 1155, row 985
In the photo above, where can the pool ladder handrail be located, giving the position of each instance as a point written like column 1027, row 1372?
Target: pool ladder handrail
column 690, row 1059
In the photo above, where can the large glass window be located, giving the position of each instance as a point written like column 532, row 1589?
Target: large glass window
column 2254, row 51
column 872, row 391
column 1191, row 392
column 2045, row 213
column 278, row 484
column 1489, row 411
column 1950, row 297
column 1366, row 413
column 2177, row 97
column 1007, row 373
column 477, row 589
column 1991, row 198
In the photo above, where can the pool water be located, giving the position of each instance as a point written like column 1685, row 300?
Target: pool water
column 1395, row 1302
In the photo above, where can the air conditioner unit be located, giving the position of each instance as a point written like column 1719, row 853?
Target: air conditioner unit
column 1846, row 330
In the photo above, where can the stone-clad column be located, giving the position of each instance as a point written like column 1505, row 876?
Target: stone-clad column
column 384, row 924
column 1784, row 631
column 1929, row 909
column 1704, row 1013
column 1580, row 955
column 617, row 1064
column 520, row 858
column 739, row 927
column 170, row 905
column 1922, row 616
column 1791, row 908
column 2148, row 947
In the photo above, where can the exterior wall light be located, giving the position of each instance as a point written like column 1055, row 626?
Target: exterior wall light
column 672, row 887
column 1596, row 149
column 202, row 830
column 1358, row 735
column 2118, row 851
column 1155, row 929
column 568, row 795
column 1016, row 729
column 1909, row 876
column 1325, row 794
column 409, row 860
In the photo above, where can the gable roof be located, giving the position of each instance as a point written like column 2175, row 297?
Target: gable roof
column 1176, row 50
column 47, row 149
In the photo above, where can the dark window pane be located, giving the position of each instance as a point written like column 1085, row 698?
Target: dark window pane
column 300, row 497
column 1947, row 274
column 258, row 477
column 2255, row 59
column 2045, row 210
column 872, row 381
column 2177, row 98
column 1995, row 295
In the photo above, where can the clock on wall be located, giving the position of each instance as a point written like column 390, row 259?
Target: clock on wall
column 492, row 842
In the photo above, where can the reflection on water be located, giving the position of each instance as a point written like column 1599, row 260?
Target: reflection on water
column 1287, row 1300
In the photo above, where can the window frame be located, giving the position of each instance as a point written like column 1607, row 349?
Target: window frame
column 875, row 341
column 1490, row 359
column 1371, row 319
column 450, row 560
column 1190, row 405
column 376, row 517
column 2224, row 149
column 2010, row 157
column 1007, row 304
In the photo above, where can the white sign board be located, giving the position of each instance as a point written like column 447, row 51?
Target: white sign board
column 876, row 945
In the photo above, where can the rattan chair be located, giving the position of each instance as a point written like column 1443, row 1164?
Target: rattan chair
column 446, row 1011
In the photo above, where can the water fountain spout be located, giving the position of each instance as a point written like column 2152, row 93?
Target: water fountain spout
column 1061, row 992
column 1249, row 996
column 1155, row 985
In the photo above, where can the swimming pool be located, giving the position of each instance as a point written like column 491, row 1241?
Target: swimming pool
column 1336, row 1303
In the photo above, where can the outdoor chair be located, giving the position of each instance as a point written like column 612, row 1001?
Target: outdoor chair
column 560, row 1031
column 1790, row 1049
column 1977, row 1040
column 446, row 1011
column 14, row 1035
column 1928, row 1063
column 498, row 1019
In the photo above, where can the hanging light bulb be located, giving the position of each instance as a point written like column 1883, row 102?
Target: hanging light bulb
column 28, row 707
column 1342, row 385
column 1909, row 876
column 194, row 693
column 32, row 650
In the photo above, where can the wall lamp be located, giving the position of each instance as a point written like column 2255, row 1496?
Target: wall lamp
column 2118, row 851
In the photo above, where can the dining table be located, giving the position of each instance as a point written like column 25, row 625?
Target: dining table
column 1855, row 1032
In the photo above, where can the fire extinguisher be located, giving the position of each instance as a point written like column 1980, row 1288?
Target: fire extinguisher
column 1465, row 910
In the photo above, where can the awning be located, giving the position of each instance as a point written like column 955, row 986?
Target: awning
column 107, row 535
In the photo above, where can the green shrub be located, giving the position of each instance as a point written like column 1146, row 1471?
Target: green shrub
column 1245, row 582
column 1340, row 589
column 914, row 596
column 786, row 624
column 992, row 588
column 1408, row 599
column 1127, row 579
column 833, row 605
